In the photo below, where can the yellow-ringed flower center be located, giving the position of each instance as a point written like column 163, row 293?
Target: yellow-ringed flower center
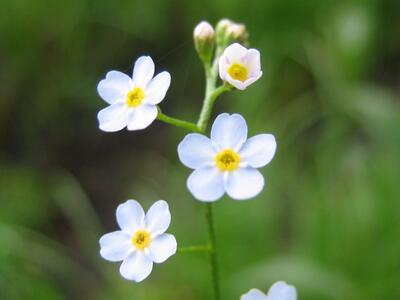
column 141, row 239
column 238, row 72
column 135, row 97
column 227, row 160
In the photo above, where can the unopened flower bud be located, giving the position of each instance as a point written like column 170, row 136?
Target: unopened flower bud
column 237, row 33
column 221, row 28
column 204, row 37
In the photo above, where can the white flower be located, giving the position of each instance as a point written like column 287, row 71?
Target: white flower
column 132, row 100
column 227, row 162
column 278, row 291
column 240, row 66
column 141, row 241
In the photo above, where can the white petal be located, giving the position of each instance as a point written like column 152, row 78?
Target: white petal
column 137, row 266
column 115, row 246
column 114, row 87
column 206, row 184
column 196, row 151
column 235, row 53
column 162, row 247
column 229, row 131
column 252, row 79
column 244, row 183
column 282, row 291
column 223, row 64
column 130, row 216
column 240, row 85
column 253, row 62
column 142, row 116
column 113, row 118
column 157, row 88
column 258, row 150
column 143, row 71
column 254, row 294
column 158, row 218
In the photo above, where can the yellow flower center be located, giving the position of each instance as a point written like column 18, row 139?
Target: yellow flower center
column 227, row 160
column 141, row 239
column 238, row 72
column 135, row 97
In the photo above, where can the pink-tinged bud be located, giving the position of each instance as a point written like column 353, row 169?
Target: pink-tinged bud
column 237, row 32
column 221, row 28
column 204, row 31
column 204, row 38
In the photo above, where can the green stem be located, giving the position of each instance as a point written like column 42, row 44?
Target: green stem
column 192, row 249
column 177, row 122
column 211, row 94
column 208, row 105
column 213, row 252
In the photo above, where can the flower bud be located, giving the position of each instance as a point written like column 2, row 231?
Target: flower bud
column 229, row 32
column 237, row 33
column 204, row 37
column 221, row 28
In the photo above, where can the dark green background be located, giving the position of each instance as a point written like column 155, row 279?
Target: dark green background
column 328, row 219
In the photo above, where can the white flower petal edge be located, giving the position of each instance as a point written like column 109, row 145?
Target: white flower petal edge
column 244, row 183
column 141, row 241
column 132, row 100
column 282, row 291
column 114, row 87
column 162, row 247
column 143, row 71
column 258, row 150
column 136, row 266
column 196, row 151
column 254, row 294
column 278, row 291
column 206, row 184
column 158, row 218
column 157, row 88
column 227, row 162
column 239, row 66
column 229, row 131
column 113, row 118
column 130, row 216
column 142, row 117
column 115, row 246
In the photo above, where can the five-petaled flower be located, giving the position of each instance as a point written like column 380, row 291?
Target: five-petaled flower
column 227, row 162
column 132, row 100
column 278, row 291
column 141, row 241
column 239, row 66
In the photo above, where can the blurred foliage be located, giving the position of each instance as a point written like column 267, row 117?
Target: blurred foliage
column 328, row 220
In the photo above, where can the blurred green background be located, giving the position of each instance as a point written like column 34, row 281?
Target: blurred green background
column 328, row 220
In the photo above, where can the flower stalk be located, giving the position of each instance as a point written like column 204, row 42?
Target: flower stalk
column 213, row 252
column 177, row 122
column 211, row 95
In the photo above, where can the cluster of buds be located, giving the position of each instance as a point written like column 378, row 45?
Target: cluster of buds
column 229, row 32
column 226, row 32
